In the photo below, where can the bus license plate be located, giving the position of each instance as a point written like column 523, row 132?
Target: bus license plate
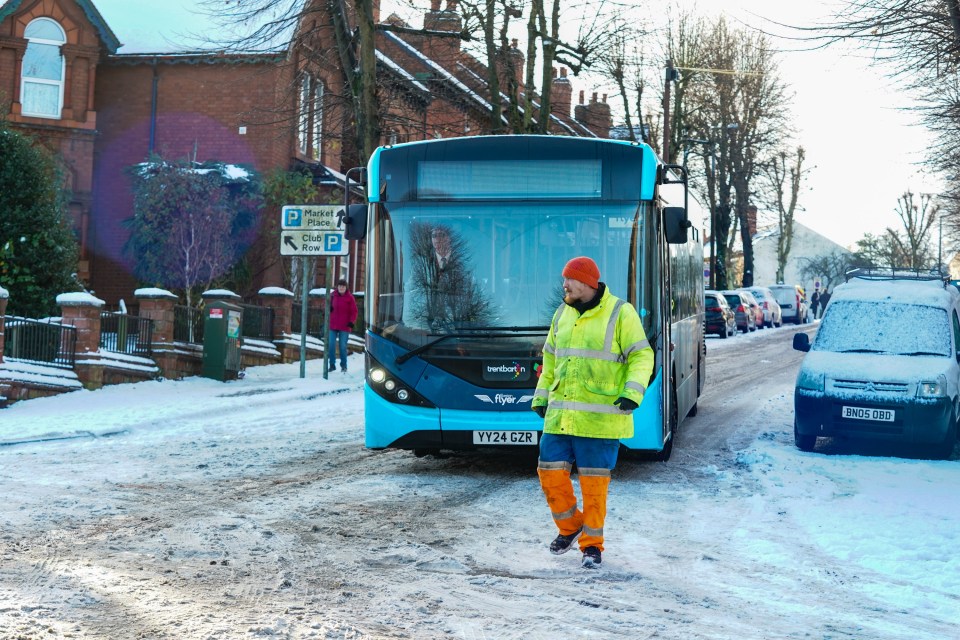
column 505, row 437
column 875, row 415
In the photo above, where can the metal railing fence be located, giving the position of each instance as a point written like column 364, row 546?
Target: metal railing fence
column 315, row 320
column 257, row 322
column 187, row 324
column 124, row 333
column 39, row 341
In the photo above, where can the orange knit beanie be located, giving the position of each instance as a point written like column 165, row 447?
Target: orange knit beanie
column 583, row 269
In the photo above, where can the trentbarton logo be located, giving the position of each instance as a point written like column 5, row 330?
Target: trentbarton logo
column 506, row 370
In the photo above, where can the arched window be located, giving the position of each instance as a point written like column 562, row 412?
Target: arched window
column 41, row 84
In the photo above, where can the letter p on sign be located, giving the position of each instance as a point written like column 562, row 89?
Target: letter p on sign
column 333, row 242
column 293, row 217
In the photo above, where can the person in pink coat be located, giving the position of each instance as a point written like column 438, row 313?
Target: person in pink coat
column 343, row 313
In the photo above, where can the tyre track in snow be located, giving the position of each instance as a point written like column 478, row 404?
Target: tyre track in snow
column 306, row 534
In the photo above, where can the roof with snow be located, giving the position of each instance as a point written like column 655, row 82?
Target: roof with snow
column 927, row 291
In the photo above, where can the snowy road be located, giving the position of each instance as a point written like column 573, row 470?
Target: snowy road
column 251, row 509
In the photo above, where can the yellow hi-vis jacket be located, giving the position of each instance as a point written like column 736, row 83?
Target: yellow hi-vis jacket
column 589, row 361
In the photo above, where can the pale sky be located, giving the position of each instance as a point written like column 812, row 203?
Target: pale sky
column 850, row 120
column 849, row 117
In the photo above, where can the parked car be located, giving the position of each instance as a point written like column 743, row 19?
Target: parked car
column 746, row 320
column 719, row 317
column 870, row 374
column 755, row 307
column 793, row 303
column 772, row 314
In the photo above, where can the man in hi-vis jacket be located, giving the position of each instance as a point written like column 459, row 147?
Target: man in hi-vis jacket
column 596, row 367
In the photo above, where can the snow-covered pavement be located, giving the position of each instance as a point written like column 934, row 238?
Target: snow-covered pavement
column 200, row 509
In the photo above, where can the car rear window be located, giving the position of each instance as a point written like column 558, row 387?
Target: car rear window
column 855, row 326
column 711, row 300
column 733, row 300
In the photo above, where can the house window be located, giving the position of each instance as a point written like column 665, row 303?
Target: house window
column 317, row 119
column 41, row 84
column 303, row 128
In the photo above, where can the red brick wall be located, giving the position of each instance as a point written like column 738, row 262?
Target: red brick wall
column 199, row 108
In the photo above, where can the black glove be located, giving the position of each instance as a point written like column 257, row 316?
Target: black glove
column 541, row 410
column 350, row 324
column 625, row 404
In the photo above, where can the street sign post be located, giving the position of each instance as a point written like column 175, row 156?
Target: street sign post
column 312, row 230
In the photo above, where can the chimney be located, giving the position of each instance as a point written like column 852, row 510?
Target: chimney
column 376, row 11
column 561, row 94
column 595, row 116
column 752, row 220
column 443, row 51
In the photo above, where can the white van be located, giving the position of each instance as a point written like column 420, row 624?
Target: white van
column 885, row 365
column 793, row 304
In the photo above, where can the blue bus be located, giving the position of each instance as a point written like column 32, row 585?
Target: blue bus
column 466, row 238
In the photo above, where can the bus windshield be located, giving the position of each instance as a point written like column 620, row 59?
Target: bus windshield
column 469, row 269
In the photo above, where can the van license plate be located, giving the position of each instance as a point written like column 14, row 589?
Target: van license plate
column 875, row 415
column 505, row 437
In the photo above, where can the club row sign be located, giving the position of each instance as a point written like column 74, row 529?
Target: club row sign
column 312, row 230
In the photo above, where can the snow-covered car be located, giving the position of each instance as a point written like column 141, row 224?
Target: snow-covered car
column 772, row 314
column 872, row 373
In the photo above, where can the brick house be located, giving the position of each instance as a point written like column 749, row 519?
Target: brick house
column 66, row 79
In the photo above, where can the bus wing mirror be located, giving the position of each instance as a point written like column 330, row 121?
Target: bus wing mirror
column 355, row 221
column 676, row 224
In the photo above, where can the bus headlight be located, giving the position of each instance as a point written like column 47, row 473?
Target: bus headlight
column 391, row 387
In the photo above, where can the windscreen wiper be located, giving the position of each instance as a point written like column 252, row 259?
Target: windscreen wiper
column 924, row 353
column 472, row 332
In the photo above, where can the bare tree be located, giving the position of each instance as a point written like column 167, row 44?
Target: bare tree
column 740, row 103
column 917, row 218
column 918, row 43
column 830, row 268
column 784, row 175
column 877, row 252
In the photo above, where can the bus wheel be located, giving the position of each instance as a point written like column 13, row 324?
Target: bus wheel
column 701, row 367
column 664, row 454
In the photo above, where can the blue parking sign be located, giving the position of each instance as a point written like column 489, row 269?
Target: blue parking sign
column 292, row 217
column 333, row 242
